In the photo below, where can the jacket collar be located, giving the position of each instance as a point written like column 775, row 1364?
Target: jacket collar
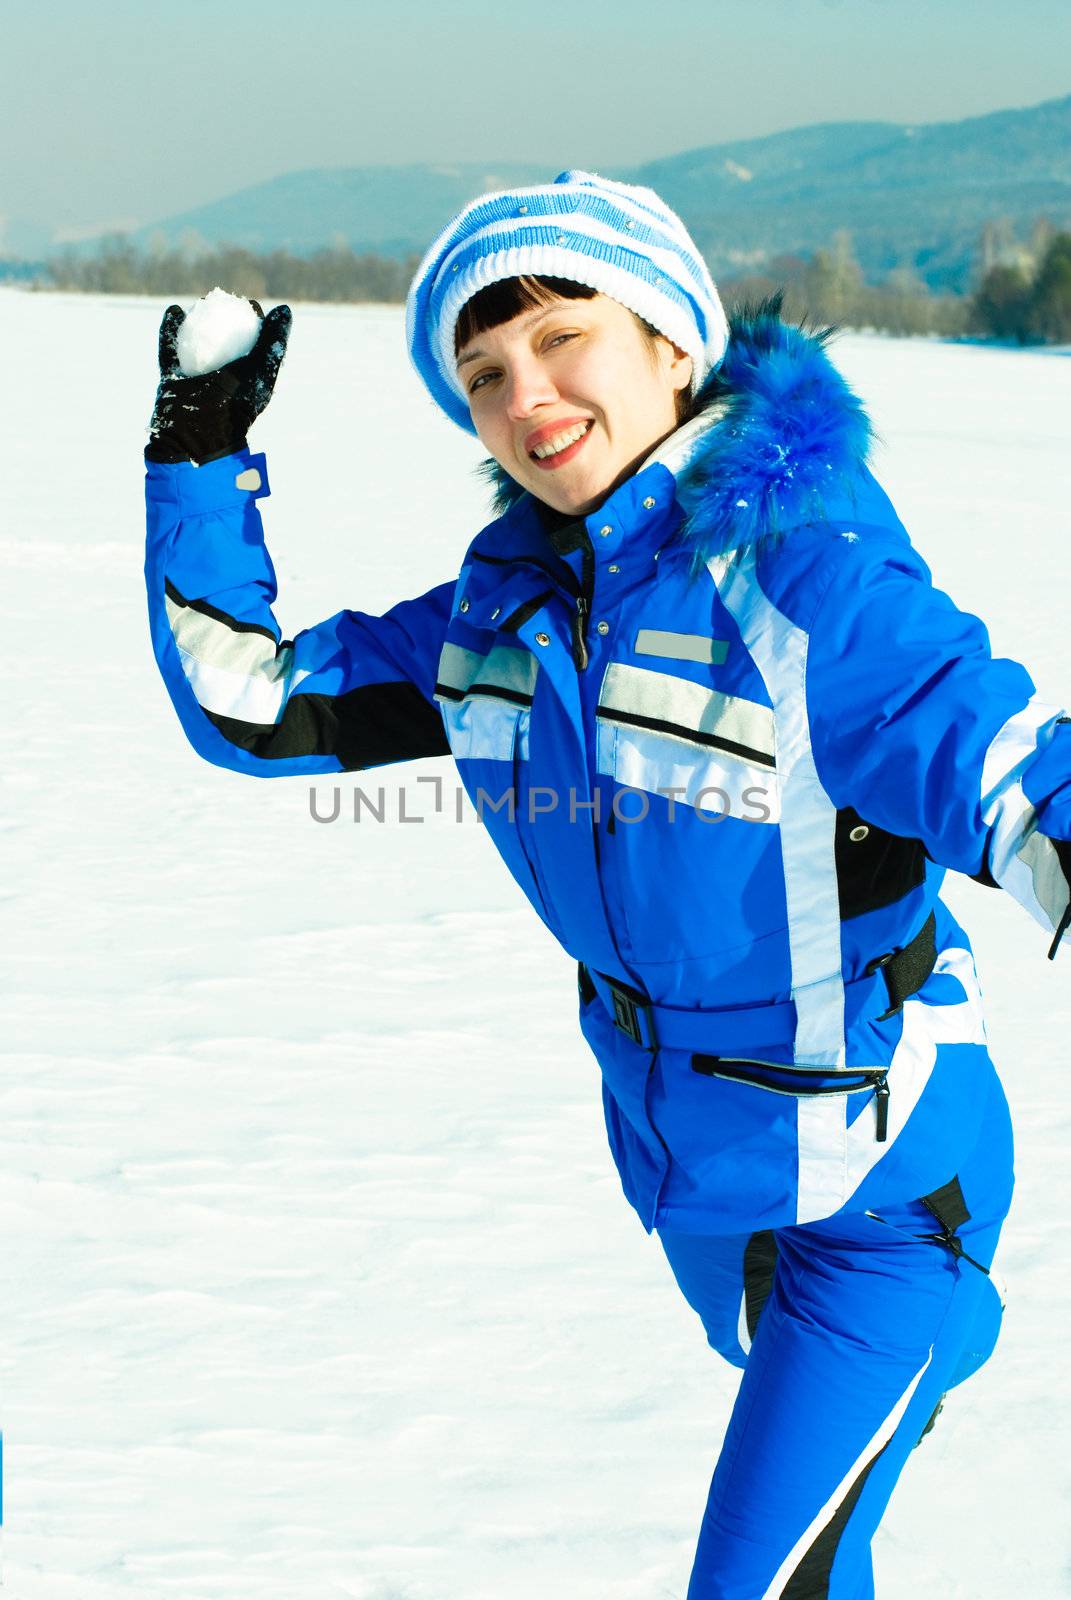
column 777, row 432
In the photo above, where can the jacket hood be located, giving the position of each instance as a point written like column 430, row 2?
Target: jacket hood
column 788, row 435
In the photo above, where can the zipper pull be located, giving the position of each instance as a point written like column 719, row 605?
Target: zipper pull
column 580, row 628
column 881, row 1105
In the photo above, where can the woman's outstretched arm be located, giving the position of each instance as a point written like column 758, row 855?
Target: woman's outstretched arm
column 924, row 732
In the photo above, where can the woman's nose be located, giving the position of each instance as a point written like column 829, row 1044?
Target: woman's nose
column 529, row 387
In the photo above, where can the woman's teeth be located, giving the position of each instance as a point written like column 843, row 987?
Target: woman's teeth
column 560, row 441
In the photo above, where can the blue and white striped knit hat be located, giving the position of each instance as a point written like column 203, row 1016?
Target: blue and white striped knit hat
column 614, row 237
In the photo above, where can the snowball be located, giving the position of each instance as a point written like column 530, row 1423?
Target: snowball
column 219, row 328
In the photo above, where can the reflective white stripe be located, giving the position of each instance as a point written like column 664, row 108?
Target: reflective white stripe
column 640, row 758
column 690, row 706
column 1026, row 870
column 502, row 667
column 742, row 1333
column 232, row 672
column 485, row 729
column 829, row 1510
column 822, row 1156
column 229, row 694
column 808, row 826
column 924, row 1028
column 808, row 816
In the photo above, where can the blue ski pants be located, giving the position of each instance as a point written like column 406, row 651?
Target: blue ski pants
column 849, row 1332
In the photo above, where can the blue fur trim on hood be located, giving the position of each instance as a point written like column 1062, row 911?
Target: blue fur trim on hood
column 793, row 435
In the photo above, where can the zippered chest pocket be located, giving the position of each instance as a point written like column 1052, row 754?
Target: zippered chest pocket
column 802, row 1082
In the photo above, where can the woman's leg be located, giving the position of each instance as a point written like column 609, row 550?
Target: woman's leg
column 867, row 1325
column 726, row 1279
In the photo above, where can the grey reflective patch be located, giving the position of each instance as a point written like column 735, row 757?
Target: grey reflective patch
column 458, row 667
column 211, row 642
column 467, row 671
column 249, row 479
column 682, row 646
column 680, row 708
column 1050, row 886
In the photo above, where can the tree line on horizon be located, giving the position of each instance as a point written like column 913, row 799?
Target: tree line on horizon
column 1024, row 293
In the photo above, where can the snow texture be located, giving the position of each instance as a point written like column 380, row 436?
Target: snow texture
column 315, row 1274
column 219, row 328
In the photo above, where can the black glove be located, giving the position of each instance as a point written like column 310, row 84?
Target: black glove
column 201, row 419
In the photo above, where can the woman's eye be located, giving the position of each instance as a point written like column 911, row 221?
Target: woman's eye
column 479, row 381
column 559, row 338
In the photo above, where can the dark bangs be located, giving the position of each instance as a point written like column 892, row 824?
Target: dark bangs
column 501, row 302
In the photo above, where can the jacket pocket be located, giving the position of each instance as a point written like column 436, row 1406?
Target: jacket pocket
column 485, row 728
column 486, row 700
column 802, row 1082
column 662, row 733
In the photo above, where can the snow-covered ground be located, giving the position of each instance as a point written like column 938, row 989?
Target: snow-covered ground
column 315, row 1276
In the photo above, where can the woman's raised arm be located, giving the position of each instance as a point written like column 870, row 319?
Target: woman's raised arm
column 354, row 691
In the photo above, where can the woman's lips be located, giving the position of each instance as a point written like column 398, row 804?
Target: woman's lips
column 562, row 457
column 550, row 430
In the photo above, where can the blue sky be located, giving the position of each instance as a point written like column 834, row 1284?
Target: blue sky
column 120, row 113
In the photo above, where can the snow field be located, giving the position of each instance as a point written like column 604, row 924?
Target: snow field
column 316, row 1277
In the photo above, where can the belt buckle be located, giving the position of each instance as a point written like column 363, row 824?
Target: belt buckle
column 629, row 1005
column 872, row 968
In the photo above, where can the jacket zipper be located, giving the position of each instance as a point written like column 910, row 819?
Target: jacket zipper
column 740, row 1070
column 580, row 631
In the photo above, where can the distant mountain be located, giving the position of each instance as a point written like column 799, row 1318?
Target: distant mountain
column 913, row 196
column 391, row 210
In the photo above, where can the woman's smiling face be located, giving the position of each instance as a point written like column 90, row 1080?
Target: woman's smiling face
column 571, row 396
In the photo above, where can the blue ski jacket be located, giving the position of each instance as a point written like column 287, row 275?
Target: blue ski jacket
column 728, row 737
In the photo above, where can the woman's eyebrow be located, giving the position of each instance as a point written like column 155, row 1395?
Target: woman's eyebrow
column 475, row 355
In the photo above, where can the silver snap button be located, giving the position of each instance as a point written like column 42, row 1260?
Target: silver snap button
column 542, row 638
column 649, row 502
column 464, row 606
column 604, row 531
column 603, row 627
column 613, row 567
column 858, row 834
column 495, row 612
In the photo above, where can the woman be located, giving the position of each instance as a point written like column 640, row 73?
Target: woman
column 728, row 738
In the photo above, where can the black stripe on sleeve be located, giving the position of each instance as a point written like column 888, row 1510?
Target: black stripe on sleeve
column 208, row 610
column 367, row 727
